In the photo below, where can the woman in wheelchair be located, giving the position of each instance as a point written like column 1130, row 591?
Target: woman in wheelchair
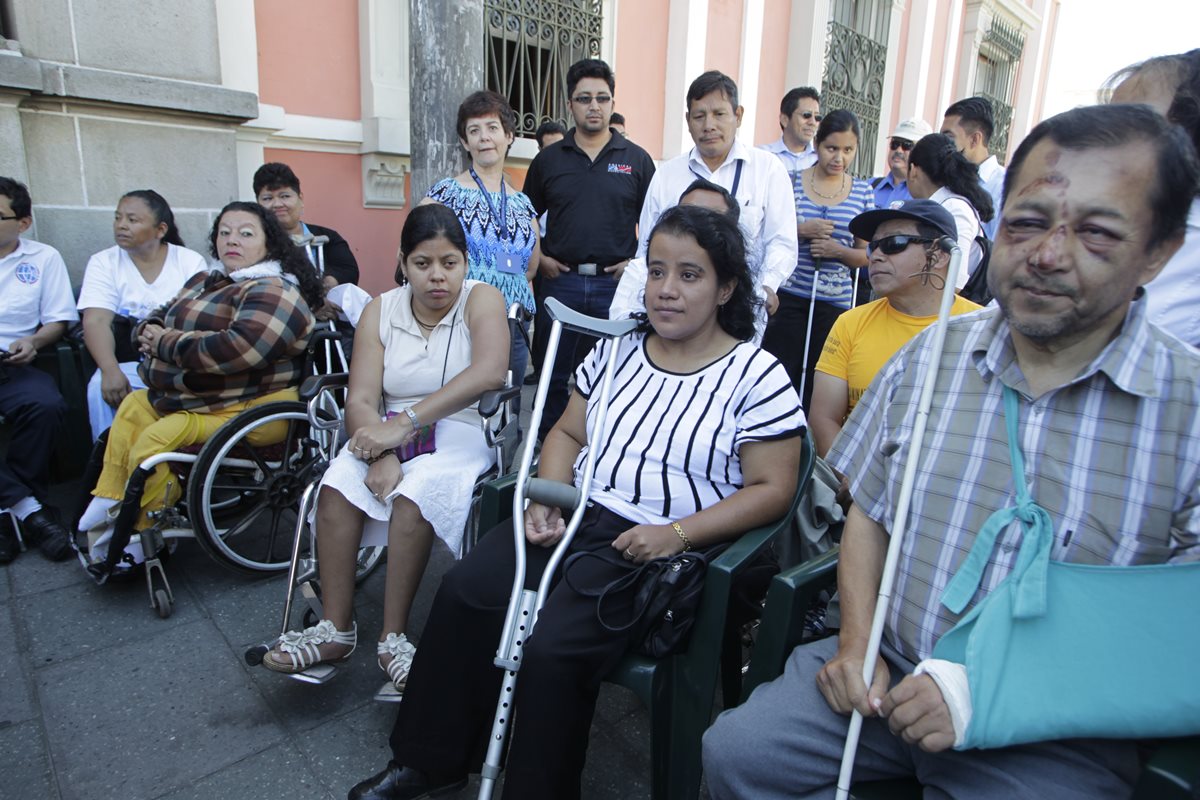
column 424, row 352
column 233, row 338
column 703, row 443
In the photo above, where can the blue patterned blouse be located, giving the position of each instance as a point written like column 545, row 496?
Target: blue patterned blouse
column 834, row 283
column 484, row 242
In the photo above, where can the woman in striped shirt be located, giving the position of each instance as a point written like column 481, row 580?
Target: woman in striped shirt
column 703, row 443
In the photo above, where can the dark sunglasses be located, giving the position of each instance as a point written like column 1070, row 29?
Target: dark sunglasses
column 897, row 243
column 902, row 144
column 811, row 115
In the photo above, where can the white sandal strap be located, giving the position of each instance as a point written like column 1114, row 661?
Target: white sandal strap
column 401, row 650
column 302, row 646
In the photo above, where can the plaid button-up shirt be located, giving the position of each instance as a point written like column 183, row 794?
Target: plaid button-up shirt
column 1113, row 456
column 227, row 341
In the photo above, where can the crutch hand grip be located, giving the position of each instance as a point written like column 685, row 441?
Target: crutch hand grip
column 552, row 493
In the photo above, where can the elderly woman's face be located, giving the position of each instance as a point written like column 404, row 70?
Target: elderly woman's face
column 241, row 241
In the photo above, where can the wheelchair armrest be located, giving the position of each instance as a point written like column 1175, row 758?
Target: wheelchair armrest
column 492, row 400
column 322, row 335
column 789, row 597
column 313, row 385
column 1172, row 773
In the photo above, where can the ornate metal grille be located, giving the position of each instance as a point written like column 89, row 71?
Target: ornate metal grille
column 855, row 59
column 996, row 78
column 529, row 45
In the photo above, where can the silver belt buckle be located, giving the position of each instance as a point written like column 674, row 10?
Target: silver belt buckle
column 586, row 269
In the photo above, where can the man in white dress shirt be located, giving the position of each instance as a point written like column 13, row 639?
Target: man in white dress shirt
column 755, row 178
column 970, row 123
column 799, row 116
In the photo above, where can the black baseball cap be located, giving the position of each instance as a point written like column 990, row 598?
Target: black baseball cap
column 928, row 211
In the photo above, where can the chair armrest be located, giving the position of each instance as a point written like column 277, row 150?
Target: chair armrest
column 313, row 385
column 789, row 597
column 492, row 400
column 1172, row 773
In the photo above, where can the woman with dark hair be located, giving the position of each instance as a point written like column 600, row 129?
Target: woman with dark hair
column 233, row 338
column 425, row 352
column 827, row 198
column 938, row 171
column 703, row 443
column 121, row 285
column 501, row 225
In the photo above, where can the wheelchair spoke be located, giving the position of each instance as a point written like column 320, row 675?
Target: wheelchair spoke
column 258, row 459
column 247, row 519
column 273, row 534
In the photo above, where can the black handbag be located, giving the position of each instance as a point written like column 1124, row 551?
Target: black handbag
column 666, row 596
column 123, row 328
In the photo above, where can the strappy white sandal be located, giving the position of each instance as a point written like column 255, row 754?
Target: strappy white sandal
column 301, row 647
column 401, row 650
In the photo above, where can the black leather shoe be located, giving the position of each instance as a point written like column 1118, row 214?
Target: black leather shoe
column 404, row 783
column 43, row 529
column 9, row 549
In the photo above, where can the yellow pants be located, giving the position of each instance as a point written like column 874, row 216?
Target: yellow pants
column 138, row 432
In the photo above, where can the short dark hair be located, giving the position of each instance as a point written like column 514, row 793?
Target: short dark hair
column 939, row 158
column 18, row 197
column 709, row 82
column 486, row 103
column 974, row 114
column 617, row 118
column 590, row 68
column 1114, row 126
column 721, row 239
column 546, row 128
column 838, row 121
column 732, row 209
column 426, row 222
column 275, row 175
column 161, row 211
column 787, row 106
column 280, row 247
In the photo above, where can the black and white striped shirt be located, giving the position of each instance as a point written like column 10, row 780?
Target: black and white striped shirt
column 672, row 439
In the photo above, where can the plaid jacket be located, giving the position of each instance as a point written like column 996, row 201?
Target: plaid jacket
column 226, row 342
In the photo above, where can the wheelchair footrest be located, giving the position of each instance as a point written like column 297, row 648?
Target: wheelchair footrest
column 388, row 693
column 316, row 674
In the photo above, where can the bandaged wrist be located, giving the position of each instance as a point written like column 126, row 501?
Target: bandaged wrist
column 951, row 679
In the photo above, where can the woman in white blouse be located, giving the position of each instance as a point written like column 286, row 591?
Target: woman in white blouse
column 145, row 269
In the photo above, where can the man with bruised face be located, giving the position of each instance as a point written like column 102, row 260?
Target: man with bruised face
column 1105, row 405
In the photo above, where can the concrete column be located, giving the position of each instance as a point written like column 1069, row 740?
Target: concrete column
column 889, row 82
column 687, row 37
column 975, row 27
column 914, row 87
column 441, row 71
column 748, row 69
column 384, row 74
column 808, row 29
column 949, row 90
column 1027, row 105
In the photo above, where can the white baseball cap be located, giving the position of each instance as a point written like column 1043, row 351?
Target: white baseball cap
column 912, row 129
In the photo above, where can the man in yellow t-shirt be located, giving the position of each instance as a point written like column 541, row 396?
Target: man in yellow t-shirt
column 907, row 261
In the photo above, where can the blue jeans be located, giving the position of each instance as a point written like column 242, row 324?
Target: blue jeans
column 591, row 295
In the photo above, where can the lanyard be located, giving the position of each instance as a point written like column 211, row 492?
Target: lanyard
column 502, row 217
column 737, row 177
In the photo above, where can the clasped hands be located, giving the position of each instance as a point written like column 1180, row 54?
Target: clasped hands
column 914, row 708
column 380, row 439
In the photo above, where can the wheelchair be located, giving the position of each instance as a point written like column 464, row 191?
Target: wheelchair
column 500, row 422
column 241, row 490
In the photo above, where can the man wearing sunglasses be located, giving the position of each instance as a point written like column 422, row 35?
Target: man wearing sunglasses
column 891, row 190
column 799, row 116
column 907, row 265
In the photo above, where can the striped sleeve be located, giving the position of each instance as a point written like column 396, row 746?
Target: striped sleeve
column 771, row 408
column 591, row 369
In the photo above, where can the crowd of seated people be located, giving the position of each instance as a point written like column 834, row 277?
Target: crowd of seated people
column 706, row 426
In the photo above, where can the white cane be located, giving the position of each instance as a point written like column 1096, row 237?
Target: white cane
column 812, row 304
column 888, row 579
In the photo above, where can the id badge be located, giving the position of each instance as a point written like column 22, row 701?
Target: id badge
column 510, row 262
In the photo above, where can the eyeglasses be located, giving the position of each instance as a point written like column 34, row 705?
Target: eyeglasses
column 586, row 99
column 812, row 115
column 902, row 144
column 6, row 219
column 898, row 243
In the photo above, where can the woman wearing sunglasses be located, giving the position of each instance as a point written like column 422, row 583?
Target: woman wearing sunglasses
column 827, row 198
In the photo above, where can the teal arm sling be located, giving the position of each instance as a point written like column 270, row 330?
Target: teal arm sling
column 1062, row 650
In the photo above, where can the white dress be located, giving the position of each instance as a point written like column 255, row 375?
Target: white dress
column 440, row 483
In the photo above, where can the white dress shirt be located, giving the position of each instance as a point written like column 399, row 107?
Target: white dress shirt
column 792, row 162
column 991, row 175
column 1173, row 298
column 966, row 220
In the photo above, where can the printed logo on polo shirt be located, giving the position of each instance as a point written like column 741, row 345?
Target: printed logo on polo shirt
column 27, row 273
column 620, row 169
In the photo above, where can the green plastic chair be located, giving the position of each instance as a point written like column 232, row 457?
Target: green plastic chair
column 1172, row 771
column 679, row 690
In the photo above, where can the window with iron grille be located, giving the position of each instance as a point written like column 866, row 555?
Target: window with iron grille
column 996, row 77
column 855, row 60
column 529, row 45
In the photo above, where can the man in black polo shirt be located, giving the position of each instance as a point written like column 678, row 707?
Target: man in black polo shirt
column 591, row 185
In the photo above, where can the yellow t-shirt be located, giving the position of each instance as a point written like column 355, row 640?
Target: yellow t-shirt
column 864, row 338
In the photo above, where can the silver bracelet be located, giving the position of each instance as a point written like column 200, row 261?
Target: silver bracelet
column 412, row 417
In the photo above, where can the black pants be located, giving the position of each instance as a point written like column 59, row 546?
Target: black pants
column 785, row 335
column 445, row 720
column 33, row 409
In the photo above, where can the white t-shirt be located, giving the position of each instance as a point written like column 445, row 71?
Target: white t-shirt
column 1173, row 298
column 966, row 219
column 34, row 290
column 112, row 281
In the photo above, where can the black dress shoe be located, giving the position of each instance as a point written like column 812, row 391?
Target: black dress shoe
column 9, row 549
column 405, row 783
column 43, row 529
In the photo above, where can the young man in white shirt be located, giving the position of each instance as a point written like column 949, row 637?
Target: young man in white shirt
column 799, row 116
column 36, row 305
column 970, row 123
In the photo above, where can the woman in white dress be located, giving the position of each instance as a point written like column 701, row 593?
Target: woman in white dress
column 424, row 352
column 145, row 269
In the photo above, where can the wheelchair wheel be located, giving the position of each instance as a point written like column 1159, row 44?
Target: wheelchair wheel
column 244, row 492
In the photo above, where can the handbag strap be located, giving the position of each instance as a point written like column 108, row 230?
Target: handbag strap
column 648, row 570
column 1033, row 560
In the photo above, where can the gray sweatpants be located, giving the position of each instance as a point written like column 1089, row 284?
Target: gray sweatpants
column 785, row 742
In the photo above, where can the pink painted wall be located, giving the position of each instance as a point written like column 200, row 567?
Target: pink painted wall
column 641, row 67
column 723, row 50
column 308, row 57
column 932, row 112
column 772, row 71
column 332, row 187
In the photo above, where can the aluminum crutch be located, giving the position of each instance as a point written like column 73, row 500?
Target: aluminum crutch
column 524, row 604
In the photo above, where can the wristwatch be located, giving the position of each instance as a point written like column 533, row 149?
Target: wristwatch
column 412, row 417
